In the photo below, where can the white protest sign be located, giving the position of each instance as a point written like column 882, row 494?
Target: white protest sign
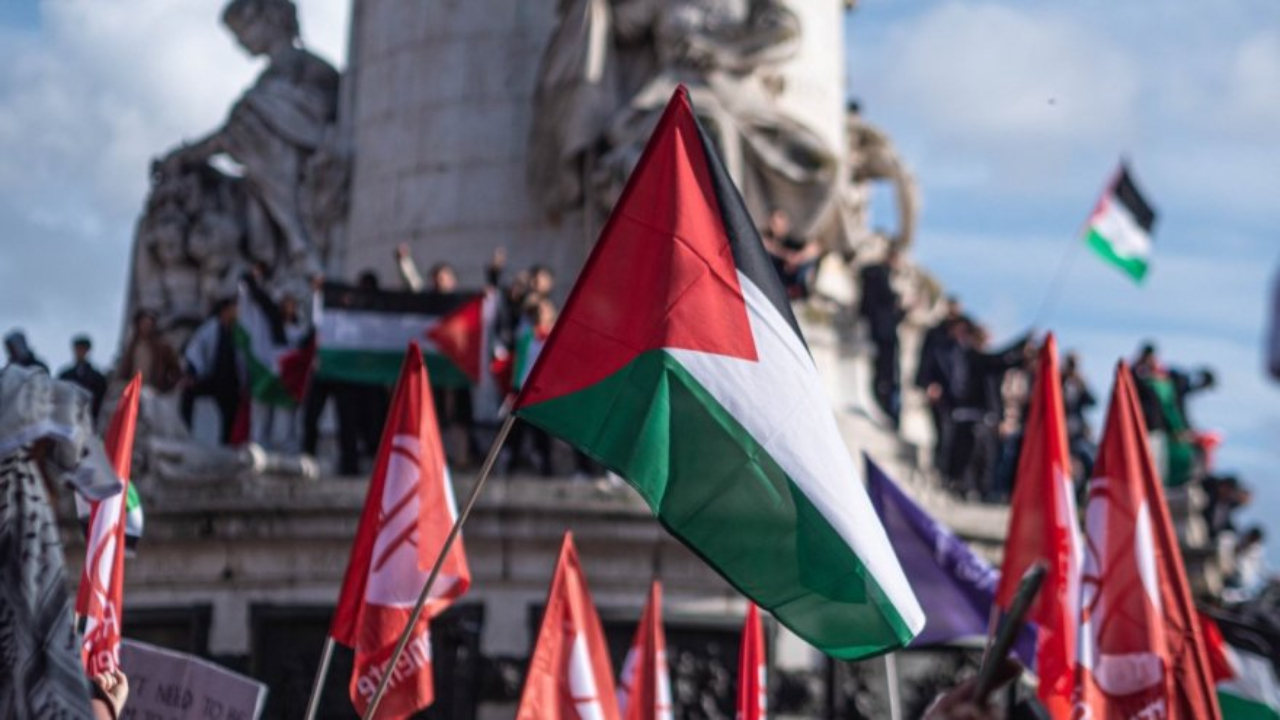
column 168, row 685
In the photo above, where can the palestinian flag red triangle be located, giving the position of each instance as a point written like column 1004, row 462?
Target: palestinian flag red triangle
column 678, row 364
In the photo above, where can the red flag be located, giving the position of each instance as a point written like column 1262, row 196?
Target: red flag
column 644, row 692
column 569, row 676
column 408, row 512
column 1043, row 527
column 459, row 336
column 100, row 598
column 1142, row 649
column 753, row 685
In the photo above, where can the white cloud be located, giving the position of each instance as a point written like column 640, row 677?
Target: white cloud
column 87, row 99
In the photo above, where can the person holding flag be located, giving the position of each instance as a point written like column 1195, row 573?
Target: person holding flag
column 408, row 512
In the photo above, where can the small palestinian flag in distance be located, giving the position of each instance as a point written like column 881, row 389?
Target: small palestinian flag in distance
column 1119, row 229
column 677, row 363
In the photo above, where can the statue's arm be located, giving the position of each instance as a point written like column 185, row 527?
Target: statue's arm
column 771, row 35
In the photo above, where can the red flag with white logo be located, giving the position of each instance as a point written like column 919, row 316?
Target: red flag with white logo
column 644, row 692
column 408, row 512
column 570, row 677
column 1043, row 527
column 1142, row 648
column 753, row 681
column 100, row 599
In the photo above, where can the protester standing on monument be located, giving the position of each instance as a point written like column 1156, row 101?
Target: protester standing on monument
column 215, row 367
column 83, row 373
column 795, row 258
column 882, row 309
column 146, row 351
column 20, row 353
column 1077, row 398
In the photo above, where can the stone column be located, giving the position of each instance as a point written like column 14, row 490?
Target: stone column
column 444, row 92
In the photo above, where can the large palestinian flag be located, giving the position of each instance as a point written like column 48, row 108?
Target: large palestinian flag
column 1119, row 229
column 362, row 334
column 677, row 364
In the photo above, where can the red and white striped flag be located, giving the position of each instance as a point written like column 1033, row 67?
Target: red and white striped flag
column 753, row 680
column 644, row 692
column 407, row 515
column 100, row 598
column 570, row 677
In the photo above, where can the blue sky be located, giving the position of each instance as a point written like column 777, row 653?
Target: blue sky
column 1012, row 115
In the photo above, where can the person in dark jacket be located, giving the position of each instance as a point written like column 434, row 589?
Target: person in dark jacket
column 83, row 373
column 882, row 309
column 20, row 353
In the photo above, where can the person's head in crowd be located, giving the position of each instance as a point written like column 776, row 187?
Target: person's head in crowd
column 1071, row 364
column 289, row 307
column 80, row 347
column 978, row 336
column 443, row 278
column 227, row 310
column 779, row 225
column 959, row 330
column 541, row 280
column 16, row 348
column 541, row 312
column 1253, row 536
column 1147, row 361
column 519, row 287
column 367, row 280
column 955, row 308
column 144, row 324
column 893, row 256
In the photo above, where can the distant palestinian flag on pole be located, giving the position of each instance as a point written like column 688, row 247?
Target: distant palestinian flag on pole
column 677, row 364
column 1119, row 229
column 362, row 334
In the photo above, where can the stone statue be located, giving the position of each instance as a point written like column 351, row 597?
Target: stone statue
column 610, row 68
column 873, row 157
column 204, row 227
column 274, row 130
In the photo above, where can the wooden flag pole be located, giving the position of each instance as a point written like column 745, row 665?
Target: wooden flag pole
column 322, row 672
column 489, row 462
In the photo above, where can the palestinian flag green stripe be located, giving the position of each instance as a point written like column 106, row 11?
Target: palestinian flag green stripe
column 720, row 492
column 265, row 384
column 1135, row 267
column 382, row 367
column 1236, row 707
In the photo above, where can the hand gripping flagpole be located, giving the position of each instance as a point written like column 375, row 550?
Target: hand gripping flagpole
column 489, row 462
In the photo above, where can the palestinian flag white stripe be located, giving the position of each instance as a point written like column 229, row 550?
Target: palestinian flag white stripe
column 781, row 401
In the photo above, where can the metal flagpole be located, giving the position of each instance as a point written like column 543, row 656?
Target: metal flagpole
column 322, row 672
column 435, row 569
column 895, row 692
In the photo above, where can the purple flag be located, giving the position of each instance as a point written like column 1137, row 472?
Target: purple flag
column 955, row 586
